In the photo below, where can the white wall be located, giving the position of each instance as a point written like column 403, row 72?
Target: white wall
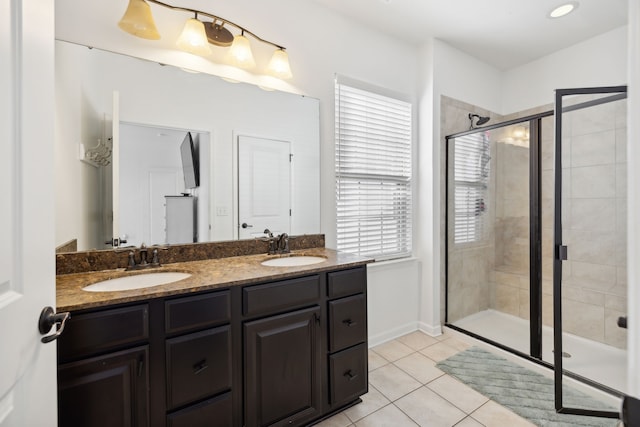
column 633, row 188
column 599, row 61
column 318, row 48
column 445, row 71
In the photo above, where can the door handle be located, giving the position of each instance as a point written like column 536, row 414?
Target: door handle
column 245, row 225
column 47, row 319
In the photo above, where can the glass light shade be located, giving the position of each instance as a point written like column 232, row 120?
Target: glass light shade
column 279, row 65
column 138, row 20
column 240, row 52
column 193, row 38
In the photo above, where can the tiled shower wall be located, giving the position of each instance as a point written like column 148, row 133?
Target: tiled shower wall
column 496, row 275
column 470, row 266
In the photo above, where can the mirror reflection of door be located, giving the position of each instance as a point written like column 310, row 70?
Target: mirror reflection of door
column 150, row 167
column 264, row 186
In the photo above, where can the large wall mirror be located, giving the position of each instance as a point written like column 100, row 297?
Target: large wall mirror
column 258, row 152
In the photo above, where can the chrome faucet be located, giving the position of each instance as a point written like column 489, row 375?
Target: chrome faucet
column 277, row 244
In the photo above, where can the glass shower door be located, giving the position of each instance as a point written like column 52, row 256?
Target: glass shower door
column 589, row 263
column 489, row 291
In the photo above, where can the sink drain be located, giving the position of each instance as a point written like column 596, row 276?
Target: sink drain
column 564, row 354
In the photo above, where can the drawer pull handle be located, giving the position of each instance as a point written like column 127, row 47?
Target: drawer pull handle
column 350, row 375
column 349, row 323
column 200, row 366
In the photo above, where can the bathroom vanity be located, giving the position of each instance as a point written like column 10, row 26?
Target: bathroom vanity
column 236, row 344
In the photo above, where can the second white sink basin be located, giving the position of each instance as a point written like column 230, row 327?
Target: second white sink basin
column 293, row 261
column 138, row 281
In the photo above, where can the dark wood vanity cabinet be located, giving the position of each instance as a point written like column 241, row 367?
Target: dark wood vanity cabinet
column 287, row 352
column 348, row 361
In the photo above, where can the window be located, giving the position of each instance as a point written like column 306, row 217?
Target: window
column 471, row 177
column 373, row 172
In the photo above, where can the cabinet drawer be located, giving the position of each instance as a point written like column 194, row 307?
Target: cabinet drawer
column 347, row 282
column 348, row 374
column 214, row 412
column 286, row 294
column 198, row 365
column 199, row 311
column 347, row 322
column 93, row 333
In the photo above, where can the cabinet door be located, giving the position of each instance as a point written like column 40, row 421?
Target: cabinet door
column 109, row 390
column 282, row 369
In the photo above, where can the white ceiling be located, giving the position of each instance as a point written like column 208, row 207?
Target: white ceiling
column 504, row 33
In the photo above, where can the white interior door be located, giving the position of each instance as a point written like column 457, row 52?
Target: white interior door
column 264, row 186
column 27, row 265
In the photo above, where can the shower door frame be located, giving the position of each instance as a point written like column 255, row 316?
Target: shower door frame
column 535, row 242
column 535, row 236
column 560, row 250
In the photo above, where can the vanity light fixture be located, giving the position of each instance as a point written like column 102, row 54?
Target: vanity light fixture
column 138, row 20
column 198, row 35
column 279, row 65
column 193, row 38
column 563, row 9
column 240, row 52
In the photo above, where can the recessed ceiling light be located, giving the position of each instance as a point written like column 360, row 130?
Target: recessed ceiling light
column 563, row 9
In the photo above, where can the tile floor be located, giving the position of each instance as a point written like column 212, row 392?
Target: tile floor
column 406, row 389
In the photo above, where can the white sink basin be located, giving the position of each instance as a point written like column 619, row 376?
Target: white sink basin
column 293, row 261
column 138, row 281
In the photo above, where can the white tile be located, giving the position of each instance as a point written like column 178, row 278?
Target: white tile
column 428, row 409
column 493, row 415
column 461, row 395
column 393, row 382
column 338, row 420
column 439, row 351
column 375, row 360
column 371, row 402
column 389, row 416
column 393, row 350
column 419, row 367
column 417, row 340
column 469, row 422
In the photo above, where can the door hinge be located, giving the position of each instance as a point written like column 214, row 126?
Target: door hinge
column 289, row 212
column 290, row 157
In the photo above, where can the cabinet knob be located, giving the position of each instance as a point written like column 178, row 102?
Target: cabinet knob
column 349, row 322
column 200, row 366
column 350, row 375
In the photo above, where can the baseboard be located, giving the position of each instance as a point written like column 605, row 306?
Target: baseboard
column 434, row 331
column 390, row 334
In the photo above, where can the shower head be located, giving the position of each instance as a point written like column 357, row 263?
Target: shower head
column 481, row 120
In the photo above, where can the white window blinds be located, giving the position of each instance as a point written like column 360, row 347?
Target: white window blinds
column 471, row 178
column 373, row 173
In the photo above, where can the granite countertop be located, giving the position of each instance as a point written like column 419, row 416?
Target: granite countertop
column 205, row 275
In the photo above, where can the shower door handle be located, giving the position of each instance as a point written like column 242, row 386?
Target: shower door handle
column 622, row 322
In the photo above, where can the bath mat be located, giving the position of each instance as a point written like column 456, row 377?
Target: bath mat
column 525, row 392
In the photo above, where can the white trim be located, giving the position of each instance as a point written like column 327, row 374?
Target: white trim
column 633, row 195
column 392, row 334
column 432, row 330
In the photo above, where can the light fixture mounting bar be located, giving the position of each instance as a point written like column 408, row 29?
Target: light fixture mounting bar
column 216, row 18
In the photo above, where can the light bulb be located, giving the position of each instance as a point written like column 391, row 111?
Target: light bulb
column 279, row 65
column 240, row 52
column 193, row 38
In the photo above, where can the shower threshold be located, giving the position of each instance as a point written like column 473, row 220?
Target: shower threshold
column 598, row 362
